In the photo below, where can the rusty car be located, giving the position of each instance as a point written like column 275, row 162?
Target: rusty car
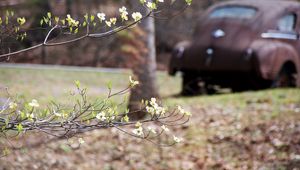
column 242, row 45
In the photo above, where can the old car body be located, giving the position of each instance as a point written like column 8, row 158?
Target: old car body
column 242, row 44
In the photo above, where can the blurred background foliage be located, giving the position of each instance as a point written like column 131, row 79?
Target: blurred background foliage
column 110, row 51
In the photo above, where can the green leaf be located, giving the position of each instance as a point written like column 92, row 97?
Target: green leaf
column 17, row 29
column 56, row 19
column 93, row 113
column 86, row 17
column 27, row 107
column 41, row 22
column 142, row 2
column 65, row 148
column 19, row 127
column 63, row 22
column 6, row 122
column 21, row 21
column 6, row 151
column 49, row 15
column 189, row 2
column 125, row 119
column 6, row 20
column 92, row 18
column 46, row 20
column 109, row 85
column 45, row 113
column 84, row 24
column 22, row 114
column 77, row 83
column 76, row 31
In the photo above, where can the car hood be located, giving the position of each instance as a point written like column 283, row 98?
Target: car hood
column 226, row 33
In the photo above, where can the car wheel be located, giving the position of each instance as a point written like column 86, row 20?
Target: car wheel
column 285, row 78
column 238, row 89
column 209, row 89
column 190, row 84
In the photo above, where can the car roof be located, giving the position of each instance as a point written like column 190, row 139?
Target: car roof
column 265, row 5
column 269, row 8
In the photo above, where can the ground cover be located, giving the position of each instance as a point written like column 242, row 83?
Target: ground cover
column 249, row 130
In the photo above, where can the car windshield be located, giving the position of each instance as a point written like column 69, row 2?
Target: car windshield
column 234, row 12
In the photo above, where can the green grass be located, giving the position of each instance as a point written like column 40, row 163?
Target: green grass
column 53, row 84
column 46, row 85
column 56, row 84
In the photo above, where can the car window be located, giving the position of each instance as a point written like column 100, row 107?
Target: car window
column 287, row 23
column 234, row 12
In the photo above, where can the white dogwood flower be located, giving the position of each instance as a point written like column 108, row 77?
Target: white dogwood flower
column 138, row 131
column 124, row 13
column 101, row 16
column 136, row 16
column 101, row 116
column 34, row 103
column 182, row 111
column 57, row 114
column 13, row 105
column 133, row 82
column 81, row 141
column 177, row 140
column 151, row 129
column 151, row 5
column 165, row 128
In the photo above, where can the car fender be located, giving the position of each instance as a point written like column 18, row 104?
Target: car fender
column 177, row 56
column 181, row 47
column 271, row 55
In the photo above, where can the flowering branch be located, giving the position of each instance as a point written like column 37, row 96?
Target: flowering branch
column 65, row 122
column 73, row 25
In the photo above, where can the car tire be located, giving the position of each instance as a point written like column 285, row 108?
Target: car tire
column 193, row 85
column 285, row 78
column 238, row 89
column 190, row 85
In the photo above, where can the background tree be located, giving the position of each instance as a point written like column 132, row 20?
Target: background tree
column 145, row 69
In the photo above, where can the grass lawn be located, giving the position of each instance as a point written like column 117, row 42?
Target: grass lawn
column 249, row 130
column 56, row 84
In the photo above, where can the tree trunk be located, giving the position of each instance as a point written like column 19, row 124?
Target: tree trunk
column 145, row 70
